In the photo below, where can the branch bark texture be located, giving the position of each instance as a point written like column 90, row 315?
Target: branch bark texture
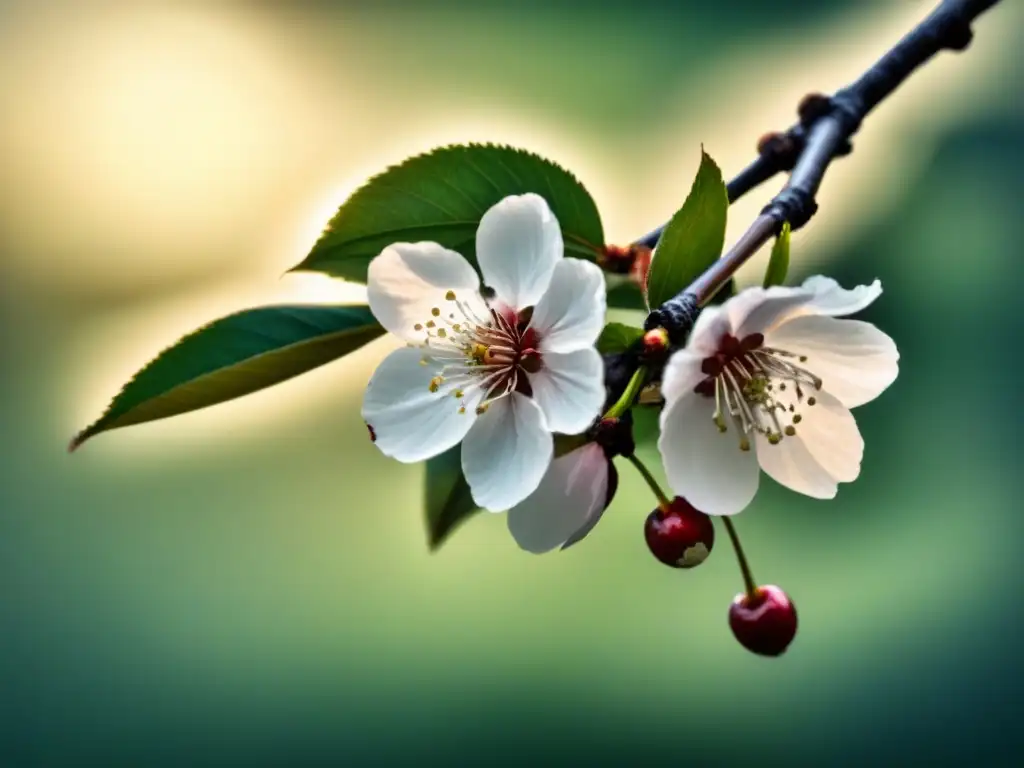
column 823, row 133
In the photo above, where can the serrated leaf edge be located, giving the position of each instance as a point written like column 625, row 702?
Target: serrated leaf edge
column 328, row 229
column 98, row 426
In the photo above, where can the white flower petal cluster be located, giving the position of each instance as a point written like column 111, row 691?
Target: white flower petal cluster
column 497, row 370
column 767, row 381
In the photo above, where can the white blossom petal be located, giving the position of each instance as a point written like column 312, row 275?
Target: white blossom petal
column 855, row 360
column 682, row 373
column 573, row 491
column 758, row 310
column 791, row 464
column 569, row 388
column 703, row 465
column 407, row 280
column 506, row 453
column 409, row 422
column 830, row 433
column 833, row 300
column 712, row 324
column 518, row 244
column 826, row 450
column 612, row 484
column 749, row 311
column 570, row 314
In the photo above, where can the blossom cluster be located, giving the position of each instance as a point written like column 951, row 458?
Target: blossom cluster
column 503, row 360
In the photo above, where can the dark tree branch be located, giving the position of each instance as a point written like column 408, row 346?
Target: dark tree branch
column 824, row 132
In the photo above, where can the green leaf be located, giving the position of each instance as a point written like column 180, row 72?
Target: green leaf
column 441, row 197
column 448, row 500
column 694, row 237
column 234, row 356
column 618, row 337
column 778, row 263
column 626, row 296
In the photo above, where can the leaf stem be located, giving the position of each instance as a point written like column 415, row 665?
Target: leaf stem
column 663, row 500
column 748, row 579
column 624, row 403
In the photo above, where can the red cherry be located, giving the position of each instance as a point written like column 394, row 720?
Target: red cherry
column 680, row 536
column 766, row 625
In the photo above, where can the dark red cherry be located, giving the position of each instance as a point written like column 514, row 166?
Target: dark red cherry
column 680, row 536
column 765, row 626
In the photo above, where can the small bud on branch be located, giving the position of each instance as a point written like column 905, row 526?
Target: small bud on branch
column 655, row 344
column 807, row 148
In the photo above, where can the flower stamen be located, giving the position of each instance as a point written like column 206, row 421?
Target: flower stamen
column 483, row 354
column 748, row 381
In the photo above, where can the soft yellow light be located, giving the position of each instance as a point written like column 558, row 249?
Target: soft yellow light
column 151, row 108
column 162, row 142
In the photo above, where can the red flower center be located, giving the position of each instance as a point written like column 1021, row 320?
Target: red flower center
column 730, row 351
column 751, row 383
column 485, row 353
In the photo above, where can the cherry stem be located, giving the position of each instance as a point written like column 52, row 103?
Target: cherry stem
column 629, row 396
column 748, row 578
column 663, row 500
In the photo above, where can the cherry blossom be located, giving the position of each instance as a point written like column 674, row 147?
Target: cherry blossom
column 768, row 380
column 497, row 368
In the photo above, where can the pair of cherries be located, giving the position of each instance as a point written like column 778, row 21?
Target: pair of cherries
column 682, row 536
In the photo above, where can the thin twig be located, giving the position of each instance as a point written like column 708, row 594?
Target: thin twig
column 827, row 123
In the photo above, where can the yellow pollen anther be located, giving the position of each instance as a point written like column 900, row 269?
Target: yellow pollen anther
column 797, row 418
column 418, row 327
column 478, row 353
column 477, row 357
column 747, row 390
column 803, row 358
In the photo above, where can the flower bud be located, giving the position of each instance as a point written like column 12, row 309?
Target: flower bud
column 655, row 344
column 616, row 259
column 812, row 107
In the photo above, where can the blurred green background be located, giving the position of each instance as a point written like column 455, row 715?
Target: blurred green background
column 250, row 585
